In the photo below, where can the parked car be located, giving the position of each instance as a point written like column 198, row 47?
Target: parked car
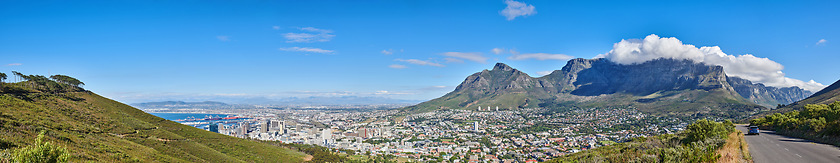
column 753, row 130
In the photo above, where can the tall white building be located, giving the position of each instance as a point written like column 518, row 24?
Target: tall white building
column 475, row 125
column 279, row 126
column 326, row 134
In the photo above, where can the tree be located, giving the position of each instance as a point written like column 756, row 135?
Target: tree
column 42, row 152
column 2, row 79
column 18, row 75
column 64, row 79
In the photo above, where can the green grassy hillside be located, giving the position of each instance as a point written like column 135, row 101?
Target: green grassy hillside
column 95, row 128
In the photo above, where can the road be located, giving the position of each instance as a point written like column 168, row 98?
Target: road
column 769, row 147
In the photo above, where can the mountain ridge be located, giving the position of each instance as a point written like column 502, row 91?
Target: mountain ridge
column 826, row 96
column 689, row 86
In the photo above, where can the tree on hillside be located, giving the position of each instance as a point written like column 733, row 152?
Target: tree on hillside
column 64, row 79
column 18, row 75
column 2, row 79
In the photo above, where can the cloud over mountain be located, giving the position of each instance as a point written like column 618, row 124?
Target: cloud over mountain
column 747, row 66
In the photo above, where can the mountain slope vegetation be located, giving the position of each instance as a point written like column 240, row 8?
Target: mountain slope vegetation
column 826, row 96
column 702, row 141
column 94, row 128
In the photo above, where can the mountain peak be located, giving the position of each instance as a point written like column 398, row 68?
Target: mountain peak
column 502, row 67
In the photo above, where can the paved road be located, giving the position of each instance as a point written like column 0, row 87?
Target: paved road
column 769, row 147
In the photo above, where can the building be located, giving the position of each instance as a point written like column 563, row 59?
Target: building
column 264, row 126
column 326, row 134
column 214, row 128
column 475, row 125
column 243, row 129
column 281, row 127
column 277, row 126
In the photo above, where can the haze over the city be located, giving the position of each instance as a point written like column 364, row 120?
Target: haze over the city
column 140, row 51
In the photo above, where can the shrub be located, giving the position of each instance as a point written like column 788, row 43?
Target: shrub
column 705, row 129
column 41, row 152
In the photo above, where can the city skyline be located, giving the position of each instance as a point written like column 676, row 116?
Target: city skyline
column 153, row 51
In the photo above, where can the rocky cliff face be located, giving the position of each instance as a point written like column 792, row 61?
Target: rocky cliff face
column 502, row 79
column 765, row 95
column 605, row 77
column 600, row 82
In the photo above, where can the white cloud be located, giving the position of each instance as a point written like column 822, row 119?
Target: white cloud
column 311, row 35
column 540, row 56
column 396, row 66
column 515, row 9
column 453, row 60
column 420, row 62
column 223, row 38
column 822, row 42
column 14, row 64
column 747, row 66
column 387, row 52
column 472, row 56
column 306, row 49
column 391, row 93
column 275, row 27
column 497, row 50
column 544, row 73
column 312, row 29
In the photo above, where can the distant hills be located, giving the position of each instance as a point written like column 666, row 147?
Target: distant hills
column 289, row 101
column 324, row 100
column 661, row 86
column 97, row 129
column 826, row 96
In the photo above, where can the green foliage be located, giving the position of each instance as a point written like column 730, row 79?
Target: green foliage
column 705, row 129
column 41, row 152
column 54, row 84
column 815, row 121
column 699, row 143
column 3, row 77
column 64, row 79
column 319, row 154
column 97, row 129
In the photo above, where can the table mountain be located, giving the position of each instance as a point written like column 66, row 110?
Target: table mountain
column 661, row 86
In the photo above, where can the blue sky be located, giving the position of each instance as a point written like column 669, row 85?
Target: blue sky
column 135, row 51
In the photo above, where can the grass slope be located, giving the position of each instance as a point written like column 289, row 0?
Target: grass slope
column 95, row 128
